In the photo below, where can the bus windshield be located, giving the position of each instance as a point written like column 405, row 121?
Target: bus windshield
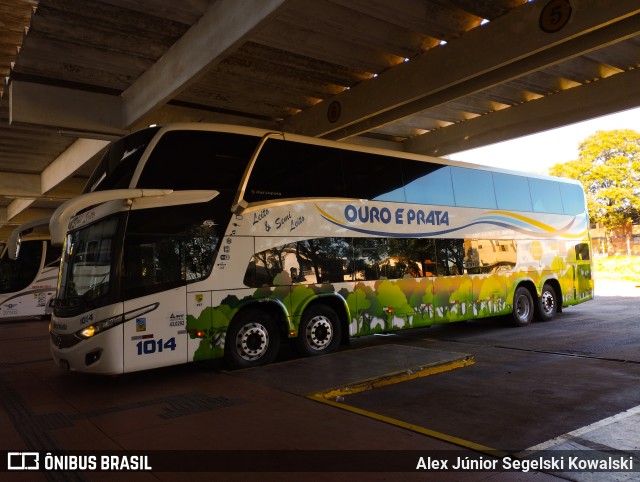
column 87, row 261
column 162, row 248
column 119, row 162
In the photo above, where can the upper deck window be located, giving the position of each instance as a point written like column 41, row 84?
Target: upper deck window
column 473, row 188
column 119, row 162
column 184, row 160
column 545, row 196
column 512, row 192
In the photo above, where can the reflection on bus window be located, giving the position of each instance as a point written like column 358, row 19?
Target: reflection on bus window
column 582, row 252
column 450, row 254
column 489, row 255
column 319, row 260
column 168, row 247
column 393, row 258
column 335, row 260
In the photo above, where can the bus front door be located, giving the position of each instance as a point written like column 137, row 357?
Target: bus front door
column 158, row 337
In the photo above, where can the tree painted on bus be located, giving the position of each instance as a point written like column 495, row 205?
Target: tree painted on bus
column 393, row 304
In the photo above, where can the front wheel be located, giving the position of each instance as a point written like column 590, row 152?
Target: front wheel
column 547, row 303
column 522, row 306
column 319, row 331
column 252, row 340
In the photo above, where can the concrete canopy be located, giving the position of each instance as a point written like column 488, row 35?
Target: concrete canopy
column 424, row 76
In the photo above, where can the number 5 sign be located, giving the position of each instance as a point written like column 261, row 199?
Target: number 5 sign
column 555, row 15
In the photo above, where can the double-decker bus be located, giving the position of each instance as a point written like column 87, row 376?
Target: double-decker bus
column 200, row 241
column 28, row 271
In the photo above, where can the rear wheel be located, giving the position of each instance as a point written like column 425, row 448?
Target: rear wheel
column 522, row 306
column 547, row 303
column 252, row 340
column 319, row 331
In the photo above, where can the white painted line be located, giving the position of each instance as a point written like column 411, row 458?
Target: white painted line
column 584, row 430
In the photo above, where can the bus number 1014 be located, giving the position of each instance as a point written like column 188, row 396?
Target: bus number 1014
column 148, row 347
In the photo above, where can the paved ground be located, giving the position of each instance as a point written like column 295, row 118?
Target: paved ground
column 571, row 383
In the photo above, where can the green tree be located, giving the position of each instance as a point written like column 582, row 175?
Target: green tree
column 608, row 167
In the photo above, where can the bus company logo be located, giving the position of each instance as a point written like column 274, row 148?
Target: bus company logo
column 288, row 222
column 257, row 217
column 199, row 298
column 81, row 219
column 23, row 461
column 372, row 214
column 356, row 218
column 141, row 324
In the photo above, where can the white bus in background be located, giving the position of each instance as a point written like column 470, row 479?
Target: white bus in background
column 202, row 241
column 29, row 267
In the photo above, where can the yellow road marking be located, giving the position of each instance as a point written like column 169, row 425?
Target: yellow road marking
column 392, row 378
column 329, row 398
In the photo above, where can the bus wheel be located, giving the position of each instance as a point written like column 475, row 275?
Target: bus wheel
column 546, row 308
column 522, row 306
column 252, row 340
column 319, row 331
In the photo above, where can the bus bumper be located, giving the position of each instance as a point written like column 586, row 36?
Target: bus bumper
column 101, row 354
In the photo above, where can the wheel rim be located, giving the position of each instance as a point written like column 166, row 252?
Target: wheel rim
column 252, row 341
column 319, row 332
column 548, row 302
column 523, row 307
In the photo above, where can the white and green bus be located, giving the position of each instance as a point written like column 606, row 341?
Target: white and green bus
column 28, row 271
column 200, row 241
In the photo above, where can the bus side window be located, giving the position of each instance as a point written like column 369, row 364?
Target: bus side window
column 312, row 261
column 168, row 247
column 450, row 256
column 582, row 252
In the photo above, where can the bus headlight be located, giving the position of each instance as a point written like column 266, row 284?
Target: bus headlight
column 88, row 332
column 100, row 326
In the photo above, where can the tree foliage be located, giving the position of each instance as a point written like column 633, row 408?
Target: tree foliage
column 608, row 168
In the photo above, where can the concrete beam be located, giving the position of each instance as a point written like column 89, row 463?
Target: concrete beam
column 63, row 108
column 498, row 51
column 19, row 185
column 221, row 30
column 69, row 162
column 566, row 107
column 24, row 217
column 17, row 206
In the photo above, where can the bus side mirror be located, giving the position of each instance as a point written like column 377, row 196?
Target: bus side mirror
column 13, row 247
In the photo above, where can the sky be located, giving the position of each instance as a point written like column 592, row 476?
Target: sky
column 537, row 152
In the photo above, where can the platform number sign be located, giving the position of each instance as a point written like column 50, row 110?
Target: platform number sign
column 555, row 15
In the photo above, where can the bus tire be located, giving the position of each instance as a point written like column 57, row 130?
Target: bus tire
column 252, row 339
column 547, row 303
column 319, row 332
column 522, row 306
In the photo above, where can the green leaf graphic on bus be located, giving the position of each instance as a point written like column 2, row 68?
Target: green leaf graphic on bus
column 472, row 280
